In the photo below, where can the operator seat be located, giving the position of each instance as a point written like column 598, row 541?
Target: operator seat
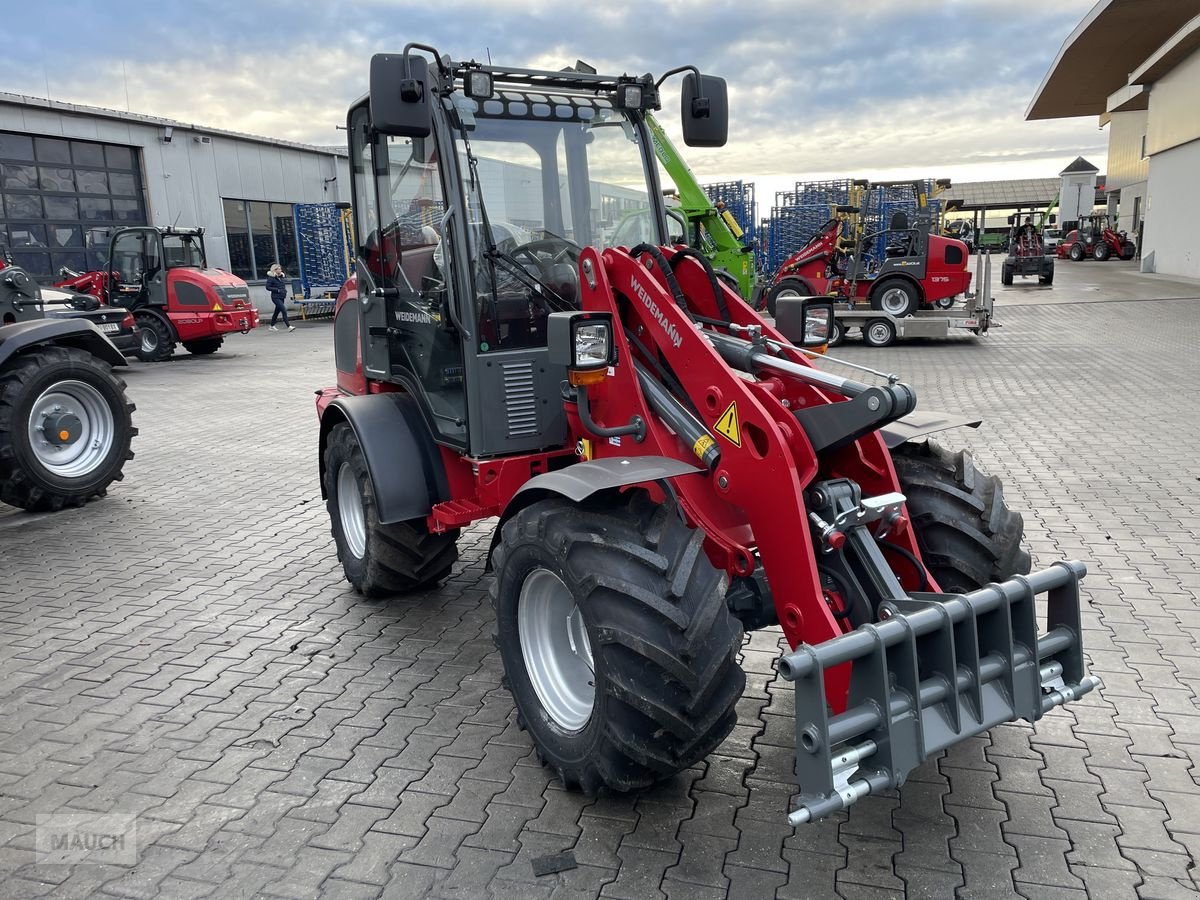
column 900, row 240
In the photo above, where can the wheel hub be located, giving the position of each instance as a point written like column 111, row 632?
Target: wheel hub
column 149, row 339
column 350, row 511
column 71, row 429
column 62, row 428
column 894, row 301
column 556, row 649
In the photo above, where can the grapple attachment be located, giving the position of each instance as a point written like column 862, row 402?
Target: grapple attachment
column 939, row 669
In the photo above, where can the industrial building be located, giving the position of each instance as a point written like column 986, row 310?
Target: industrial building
column 1135, row 65
column 70, row 174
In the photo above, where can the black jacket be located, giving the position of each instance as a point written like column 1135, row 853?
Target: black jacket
column 277, row 286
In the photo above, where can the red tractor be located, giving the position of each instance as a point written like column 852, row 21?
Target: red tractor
column 1095, row 238
column 667, row 470
column 161, row 275
column 918, row 270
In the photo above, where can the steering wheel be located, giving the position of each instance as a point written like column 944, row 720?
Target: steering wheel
column 557, row 262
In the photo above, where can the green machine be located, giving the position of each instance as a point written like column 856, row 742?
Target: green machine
column 710, row 229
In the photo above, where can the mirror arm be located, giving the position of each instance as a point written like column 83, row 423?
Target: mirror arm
column 667, row 74
column 414, row 45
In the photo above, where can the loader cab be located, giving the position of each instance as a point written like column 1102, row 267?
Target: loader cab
column 142, row 259
column 471, row 214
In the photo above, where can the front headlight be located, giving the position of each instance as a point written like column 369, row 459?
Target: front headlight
column 593, row 341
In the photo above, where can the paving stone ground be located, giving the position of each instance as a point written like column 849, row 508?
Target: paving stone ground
column 187, row 652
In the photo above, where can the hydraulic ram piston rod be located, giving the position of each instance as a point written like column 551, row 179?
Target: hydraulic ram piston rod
column 748, row 357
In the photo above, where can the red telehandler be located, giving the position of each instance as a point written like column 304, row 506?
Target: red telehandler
column 162, row 276
column 668, row 471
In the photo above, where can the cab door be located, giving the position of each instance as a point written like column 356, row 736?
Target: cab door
column 135, row 257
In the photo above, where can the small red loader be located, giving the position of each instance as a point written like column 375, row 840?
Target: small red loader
column 162, row 276
column 667, row 470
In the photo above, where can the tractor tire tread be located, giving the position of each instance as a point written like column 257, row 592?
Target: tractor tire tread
column 657, row 617
column 17, row 488
column 967, row 535
column 402, row 557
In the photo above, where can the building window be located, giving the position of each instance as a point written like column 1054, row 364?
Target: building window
column 61, row 199
column 1143, row 146
column 260, row 233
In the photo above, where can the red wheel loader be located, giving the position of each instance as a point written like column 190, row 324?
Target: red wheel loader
column 666, row 469
column 162, row 276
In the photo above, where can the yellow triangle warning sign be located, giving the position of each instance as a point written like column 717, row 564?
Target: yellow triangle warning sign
column 727, row 425
column 216, row 307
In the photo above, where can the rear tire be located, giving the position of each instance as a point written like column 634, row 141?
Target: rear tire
column 879, row 333
column 967, row 535
column 1006, row 274
column 1076, row 252
column 792, row 287
column 378, row 560
column 158, row 342
column 42, row 386
column 896, row 297
column 1047, row 276
column 649, row 612
column 204, row 346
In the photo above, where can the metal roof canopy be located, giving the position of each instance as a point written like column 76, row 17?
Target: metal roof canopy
column 1113, row 39
column 1020, row 193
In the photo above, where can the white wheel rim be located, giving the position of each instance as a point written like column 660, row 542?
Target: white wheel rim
column 77, row 451
column 351, row 512
column 894, row 301
column 149, row 339
column 556, row 649
column 880, row 333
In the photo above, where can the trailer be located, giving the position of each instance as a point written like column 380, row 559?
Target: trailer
column 880, row 329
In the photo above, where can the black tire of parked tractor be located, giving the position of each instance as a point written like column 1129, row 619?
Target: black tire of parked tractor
column 26, row 483
column 943, row 303
column 204, row 346
column 1047, row 276
column 1076, row 253
column 1128, row 251
column 967, row 535
column 837, row 334
column 879, row 333
column 158, row 341
column 1006, row 274
column 798, row 285
column 396, row 559
column 890, row 286
column 664, row 644
column 1101, row 252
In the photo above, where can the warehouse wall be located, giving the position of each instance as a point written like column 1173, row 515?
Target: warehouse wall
column 186, row 179
column 1172, row 197
column 1174, row 111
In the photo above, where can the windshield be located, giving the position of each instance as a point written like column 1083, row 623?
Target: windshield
column 183, row 251
column 552, row 174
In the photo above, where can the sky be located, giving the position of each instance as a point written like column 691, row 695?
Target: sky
column 917, row 88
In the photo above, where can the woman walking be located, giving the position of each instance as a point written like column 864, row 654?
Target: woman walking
column 278, row 289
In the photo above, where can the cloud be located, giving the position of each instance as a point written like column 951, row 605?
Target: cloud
column 869, row 88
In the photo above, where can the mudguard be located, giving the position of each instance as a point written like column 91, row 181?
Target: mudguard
column 922, row 422
column 77, row 333
column 401, row 455
column 580, row 481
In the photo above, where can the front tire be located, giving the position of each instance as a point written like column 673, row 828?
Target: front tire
column 838, row 334
column 65, row 429
column 787, row 287
column 1006, row 274
column 896, row 297
column 158, row 341
column 204, row 346
column 378, row 560
column 1076, row 252
column 1047, row 276
column 617, row 644
column 967, row 535
column 1101, row 252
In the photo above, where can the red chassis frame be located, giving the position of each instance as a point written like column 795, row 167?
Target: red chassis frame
column 754, row 501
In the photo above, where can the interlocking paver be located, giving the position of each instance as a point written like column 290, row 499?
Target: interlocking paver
column 205, row 668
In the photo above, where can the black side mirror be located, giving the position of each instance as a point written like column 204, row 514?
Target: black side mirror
column 400, row 95
column 805, row 321
column 705, row 111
